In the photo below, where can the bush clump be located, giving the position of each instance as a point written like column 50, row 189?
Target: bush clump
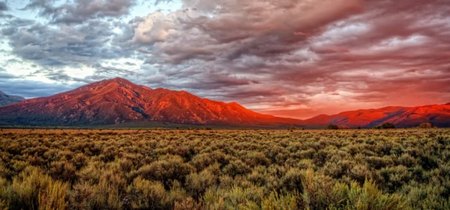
column 367, row 169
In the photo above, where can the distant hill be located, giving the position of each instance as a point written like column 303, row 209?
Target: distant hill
column 8, row 99
column 438, row 115
column 119, row 101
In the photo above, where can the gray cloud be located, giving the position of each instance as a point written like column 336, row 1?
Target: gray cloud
column 80, row 11
column 50, row 46
column 15, row 85
column 284, row 57
column 366, row 52
column 29, row 89
column 243, row 28
column 4, row 75
column 3, row 6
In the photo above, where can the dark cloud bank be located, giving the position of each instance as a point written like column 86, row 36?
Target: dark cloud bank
column 291, row 58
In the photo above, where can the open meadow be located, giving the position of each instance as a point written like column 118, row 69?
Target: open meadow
column 225, row 169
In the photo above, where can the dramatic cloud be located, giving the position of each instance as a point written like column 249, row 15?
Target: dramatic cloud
column 295, row 58
column 78, row 11
column 3, row 6
column 29, row 89
column 261, row 28
column 63, row 45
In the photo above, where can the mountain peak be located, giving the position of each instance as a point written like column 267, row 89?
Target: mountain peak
column 6, row 99
column 117, row 100
column 117, row 80
column 108, row 85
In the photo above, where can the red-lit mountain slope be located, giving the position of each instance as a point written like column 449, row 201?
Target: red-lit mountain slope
column 119, row 101
column 438, row 115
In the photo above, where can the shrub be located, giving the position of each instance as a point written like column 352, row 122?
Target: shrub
column 146, row 194
column 225, row 169
column 427, row 196
column 63, row 170
column 256, row 158
column 198, row 183
column 426, row 125
column 317, row 190
column 32, row 189
column 276, row 201
column 234, row 198
column 386, row 126
column 107, row 192
column 166, row 170
column 202, row 161
column 236, row 167
column 360, row 173
column 394, row 177
column 332, row 127
column 4, row 194
column 292, row 181
column 367, row 197
column 187, row 204
column 54, row 197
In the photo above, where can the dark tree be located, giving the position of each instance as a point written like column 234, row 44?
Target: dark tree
column 333, row 127
column 386, row 126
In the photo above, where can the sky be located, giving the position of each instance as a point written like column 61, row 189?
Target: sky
column 291, row 58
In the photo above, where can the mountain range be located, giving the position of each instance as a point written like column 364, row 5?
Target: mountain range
column 120, row 102
column 404, row 117
column 8, row 99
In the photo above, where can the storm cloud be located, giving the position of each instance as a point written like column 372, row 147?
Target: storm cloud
column 295, row 58
column 79, row 11
column 3, row 6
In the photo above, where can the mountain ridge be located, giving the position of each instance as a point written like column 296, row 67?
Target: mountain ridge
column 437, row 114
column 6, row 99
column 117, row 101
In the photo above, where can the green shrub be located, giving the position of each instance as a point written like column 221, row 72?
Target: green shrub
column 198, row 183
column 386, row 126
column 32, row 189
column 54, row 197
column 332, row 127
column 4, row 194
column 367, row 197
column 166, row 170
column 276, row 201
column 236, row 167
column 146, row 194
column 107, row 192
column 225, row 169
column 317, row 190
column 234, row 198
column 430, row 196
column 63, row 170
column 292, row 181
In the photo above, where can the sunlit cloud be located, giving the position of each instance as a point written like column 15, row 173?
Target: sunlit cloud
column 290, row 58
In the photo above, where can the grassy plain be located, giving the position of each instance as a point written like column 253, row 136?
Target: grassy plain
column 224, row 169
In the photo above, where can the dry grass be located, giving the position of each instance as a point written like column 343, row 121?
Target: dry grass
column 224, row 169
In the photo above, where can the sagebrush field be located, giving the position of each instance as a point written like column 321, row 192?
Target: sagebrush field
column 225, row 169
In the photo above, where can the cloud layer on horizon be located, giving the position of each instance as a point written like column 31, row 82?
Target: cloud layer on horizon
column 295, row 58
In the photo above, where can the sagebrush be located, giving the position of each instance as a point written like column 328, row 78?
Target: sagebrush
column 225, row 169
